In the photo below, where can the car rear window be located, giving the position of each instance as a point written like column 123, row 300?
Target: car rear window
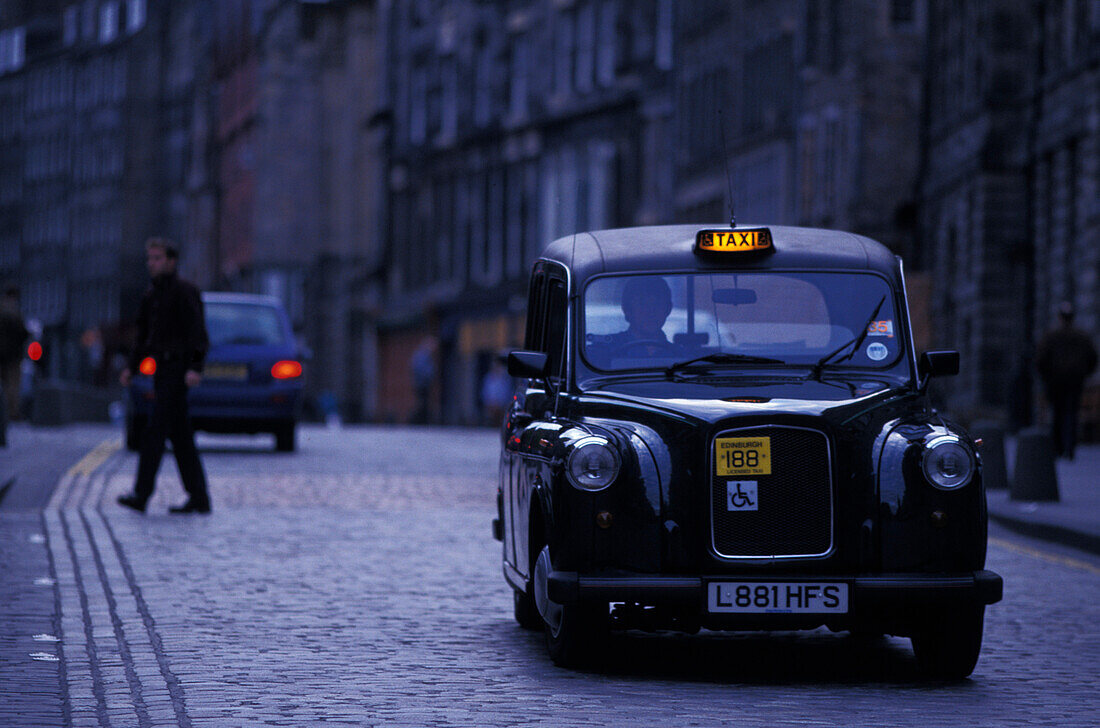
column 244, row 323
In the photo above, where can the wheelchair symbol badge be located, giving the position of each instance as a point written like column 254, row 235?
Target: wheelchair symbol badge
column 741, row 495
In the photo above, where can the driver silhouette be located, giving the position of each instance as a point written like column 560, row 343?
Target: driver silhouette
column 646, row 304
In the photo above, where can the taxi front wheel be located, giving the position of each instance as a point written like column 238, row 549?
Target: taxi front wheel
column 527, row 615
column 574, row 632
column 948, row 648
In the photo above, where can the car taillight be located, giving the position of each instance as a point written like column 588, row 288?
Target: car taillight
column 148, row 366
column 286, row 370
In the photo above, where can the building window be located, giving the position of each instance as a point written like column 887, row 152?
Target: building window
column 601, row 185
column 70, row 26
column 563, row 52
column 12, row 49
column 448, row 125
column 831, row 153
column 518, row 96
column 902, row 12
column 586, row 48
column 417, row 103
column 513, row 221
column 806, row 170
column 89, row 21
column 607, row 39
column 135, row 15
column 460, row 245
column 483, row 95
column 664, row 34
column 108, row 22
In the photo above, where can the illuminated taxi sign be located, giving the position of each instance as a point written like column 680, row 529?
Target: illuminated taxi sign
column 747, row 240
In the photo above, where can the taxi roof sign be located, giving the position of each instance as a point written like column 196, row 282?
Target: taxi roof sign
column 734, row 241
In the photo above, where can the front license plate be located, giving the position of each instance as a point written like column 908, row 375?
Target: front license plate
column 743, row 455
column 226, row 372
column 782, row 597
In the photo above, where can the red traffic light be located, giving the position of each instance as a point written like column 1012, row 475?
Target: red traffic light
column 34, row 351
column 148, row 366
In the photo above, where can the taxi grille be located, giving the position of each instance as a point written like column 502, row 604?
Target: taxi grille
column 792, row 512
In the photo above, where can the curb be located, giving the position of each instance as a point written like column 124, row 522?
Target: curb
column 1050, row 532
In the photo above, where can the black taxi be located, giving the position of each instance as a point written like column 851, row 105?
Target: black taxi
column 728, row 428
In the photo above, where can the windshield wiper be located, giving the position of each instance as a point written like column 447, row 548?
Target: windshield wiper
column 722, row 357
column 855, row 342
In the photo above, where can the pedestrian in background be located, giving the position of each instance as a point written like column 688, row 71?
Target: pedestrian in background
column 1066, row 358
column 423, row 375
column 171, row 329
column 13, row 336
column 496, row 393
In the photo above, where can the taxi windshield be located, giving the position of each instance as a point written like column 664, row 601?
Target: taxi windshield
column 759, row 318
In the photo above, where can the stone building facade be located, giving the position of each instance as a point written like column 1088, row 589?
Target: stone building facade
column 1064, row 175
column 83, row 127
column 1010, row 213
column 812, row 109
column 736, row 103
column 975, row 238
column 300, row 177
column 13, row 60
column 391, row 168
column 319, row 180
column 512, row 124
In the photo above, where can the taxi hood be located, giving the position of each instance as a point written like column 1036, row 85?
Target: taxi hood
column 710, row 404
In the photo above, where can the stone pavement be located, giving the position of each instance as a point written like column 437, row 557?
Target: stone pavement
column 1074, row 520
column 36, row 457
column 355, row 583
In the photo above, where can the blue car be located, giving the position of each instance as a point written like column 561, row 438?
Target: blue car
column 253, row 376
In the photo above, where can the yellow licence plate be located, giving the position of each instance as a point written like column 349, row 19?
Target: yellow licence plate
column 226, row 372
column 743, row 455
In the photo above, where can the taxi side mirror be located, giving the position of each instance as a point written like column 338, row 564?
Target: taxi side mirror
column 939, row 364
column 528, row 364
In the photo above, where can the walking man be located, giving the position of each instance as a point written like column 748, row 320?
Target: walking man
column 13, row 335
column 171, row 331
column 1066, row 358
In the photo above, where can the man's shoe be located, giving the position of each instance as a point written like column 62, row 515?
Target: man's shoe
column 132, row 501
column 191, row 507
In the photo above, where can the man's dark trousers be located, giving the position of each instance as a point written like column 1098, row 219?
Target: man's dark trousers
column 171, row 420
column 1065, row 404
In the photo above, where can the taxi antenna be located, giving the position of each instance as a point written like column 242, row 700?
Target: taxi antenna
column 729, row 177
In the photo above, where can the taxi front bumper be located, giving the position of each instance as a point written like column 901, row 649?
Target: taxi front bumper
column 878, row 594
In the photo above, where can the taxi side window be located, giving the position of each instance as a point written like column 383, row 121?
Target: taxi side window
column 535, row 313
column 546, row 319
column 556, row 305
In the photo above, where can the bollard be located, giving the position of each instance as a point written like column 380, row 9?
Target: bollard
column 1035, row 477
column 994, row 466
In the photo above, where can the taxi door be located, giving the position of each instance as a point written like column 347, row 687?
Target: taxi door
column 532, row 426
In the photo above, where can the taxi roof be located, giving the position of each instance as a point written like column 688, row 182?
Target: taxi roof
column 670, row 247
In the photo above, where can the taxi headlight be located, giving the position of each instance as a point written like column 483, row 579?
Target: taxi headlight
column 947, row 463
column 593, row 464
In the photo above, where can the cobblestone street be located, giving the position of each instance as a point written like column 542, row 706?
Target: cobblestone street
column 356, row 582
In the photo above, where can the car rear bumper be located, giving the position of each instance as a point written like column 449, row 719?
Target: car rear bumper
column 251, row 409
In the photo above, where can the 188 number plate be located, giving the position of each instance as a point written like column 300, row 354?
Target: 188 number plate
column 783, row 597
column 743, row 456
